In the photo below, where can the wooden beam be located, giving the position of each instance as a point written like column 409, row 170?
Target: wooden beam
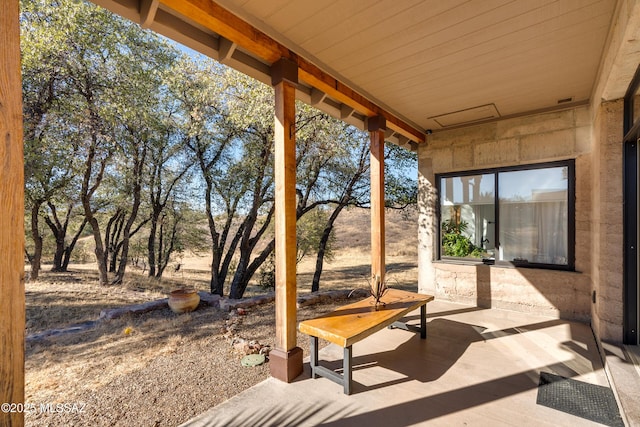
column 377, row 128
column 346, row 112
column 12, row 299
column 148, row 10
column 286, row 360
column 317, row 96
column 219, row 20
column 225, row 49
column 317, row 78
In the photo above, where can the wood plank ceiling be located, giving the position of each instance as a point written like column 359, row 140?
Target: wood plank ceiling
column 425, row 59
column 434, row 64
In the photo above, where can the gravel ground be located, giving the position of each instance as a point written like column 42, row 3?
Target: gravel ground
column 155, row 369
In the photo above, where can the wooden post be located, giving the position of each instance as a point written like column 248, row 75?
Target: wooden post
column 12, row 305
column 377, row 127
column 285, row 361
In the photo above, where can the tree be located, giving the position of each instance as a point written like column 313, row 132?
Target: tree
column 168, row 165
column 141, row 126
column 176, row 233
column 348, row 185
column 351, row 187
column 165, row 175
column 316, row 144
column 229, row 131
column 310, row 230
column 251, row 106
column 206, row 133
column 49, row 148
column 135, row 117
column 105, row 75
column 59, row 226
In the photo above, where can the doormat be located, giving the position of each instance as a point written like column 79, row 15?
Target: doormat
column 589, row 401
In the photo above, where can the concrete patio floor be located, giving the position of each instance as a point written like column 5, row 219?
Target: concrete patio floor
column 476, row 367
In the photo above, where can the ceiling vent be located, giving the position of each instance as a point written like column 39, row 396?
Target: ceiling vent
column 469, row 115
column 565, row 100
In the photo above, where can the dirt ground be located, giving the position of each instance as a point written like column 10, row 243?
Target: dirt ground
column 159, row 368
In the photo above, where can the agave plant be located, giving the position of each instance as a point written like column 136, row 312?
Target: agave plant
column 377, row 289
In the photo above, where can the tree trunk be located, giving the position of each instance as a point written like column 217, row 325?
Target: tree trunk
column 37, row 240
column 88, row 189
column 246, row 269
column 103, row 277
column 101, row 258
column 59, row 233
column 166, row 253
column 69, row 249
column 322, row 247
column 151, row 243
column 217, row 282
column 112, row 238
column 240, row 282
column 123, row 247
column 57, row 257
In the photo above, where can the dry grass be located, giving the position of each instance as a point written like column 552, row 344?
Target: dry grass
column 160, row 368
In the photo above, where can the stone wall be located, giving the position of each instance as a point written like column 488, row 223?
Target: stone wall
column 606, row 227
column 532, row 139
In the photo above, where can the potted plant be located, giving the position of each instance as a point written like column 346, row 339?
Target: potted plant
column 455, row 243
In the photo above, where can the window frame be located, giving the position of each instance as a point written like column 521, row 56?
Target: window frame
column 571, row 214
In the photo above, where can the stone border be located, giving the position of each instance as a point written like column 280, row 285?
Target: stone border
column 77, row 327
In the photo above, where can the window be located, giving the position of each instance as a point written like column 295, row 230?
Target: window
column 521, row 216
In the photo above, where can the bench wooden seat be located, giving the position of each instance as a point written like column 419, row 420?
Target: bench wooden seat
column 354, row 322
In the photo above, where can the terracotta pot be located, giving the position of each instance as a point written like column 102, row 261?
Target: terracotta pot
column 183, row 300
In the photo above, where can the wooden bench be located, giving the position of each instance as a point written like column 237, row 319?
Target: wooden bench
column 354, row 322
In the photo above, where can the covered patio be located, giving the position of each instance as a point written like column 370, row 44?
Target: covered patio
column 474, row 87
column 477, row 367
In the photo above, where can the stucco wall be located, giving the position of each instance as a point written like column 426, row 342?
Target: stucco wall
column 524, row 140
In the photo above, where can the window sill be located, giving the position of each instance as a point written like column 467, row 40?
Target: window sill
column 505, row 264
column 459, row 262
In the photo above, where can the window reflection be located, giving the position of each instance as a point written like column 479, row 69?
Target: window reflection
column 533, row 216
column 530, row 225
column 468, row 216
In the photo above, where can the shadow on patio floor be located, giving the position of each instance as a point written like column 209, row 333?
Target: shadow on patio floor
column 476, row 367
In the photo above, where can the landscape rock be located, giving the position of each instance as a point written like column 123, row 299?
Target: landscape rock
column 209, row 299
column 227, row 304
column 78, row 327
column 240, row 344
column 115, row 313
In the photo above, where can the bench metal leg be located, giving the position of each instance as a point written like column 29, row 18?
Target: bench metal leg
column 346, row 371
column 321, row 371
column 413, row 328
column 314, row 357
